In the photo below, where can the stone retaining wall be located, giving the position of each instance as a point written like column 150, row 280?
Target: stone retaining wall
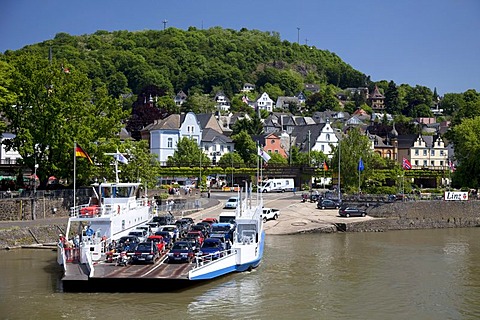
column 21, row 208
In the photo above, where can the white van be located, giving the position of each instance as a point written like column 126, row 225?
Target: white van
column 226, row 217
column 277, row 185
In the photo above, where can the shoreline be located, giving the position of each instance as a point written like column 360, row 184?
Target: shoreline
column 296, row 218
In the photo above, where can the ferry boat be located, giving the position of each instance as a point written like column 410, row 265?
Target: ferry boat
column 93, row 272
column 112, row 211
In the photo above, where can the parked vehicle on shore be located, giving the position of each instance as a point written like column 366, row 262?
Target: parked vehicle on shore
column 327, row 204
column 351, row 212
column 277, row 185
column 270, row 214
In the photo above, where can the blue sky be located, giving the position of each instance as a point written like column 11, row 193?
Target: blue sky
column 434, row 43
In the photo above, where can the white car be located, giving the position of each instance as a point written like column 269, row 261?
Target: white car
column 231, row 203
column 172, row 230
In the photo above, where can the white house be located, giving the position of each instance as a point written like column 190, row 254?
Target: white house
column 325, row 140
column 8, row 156
column 165, row 134
column 264, row 102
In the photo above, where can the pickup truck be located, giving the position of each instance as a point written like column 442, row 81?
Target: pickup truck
column 269, row 214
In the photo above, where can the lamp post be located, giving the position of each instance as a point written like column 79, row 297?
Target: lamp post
column 34, row 200
column 339, row 153
column 231, row 157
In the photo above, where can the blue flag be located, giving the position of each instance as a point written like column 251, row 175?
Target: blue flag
column 361, row 167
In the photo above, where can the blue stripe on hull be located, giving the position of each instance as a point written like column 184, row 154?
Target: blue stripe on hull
column 235, row 268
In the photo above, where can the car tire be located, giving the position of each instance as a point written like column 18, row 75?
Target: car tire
column 363, row 214
column 264, row 220
column 275, row 217
column 347, row 215
column 323, row 207
column 336, row 207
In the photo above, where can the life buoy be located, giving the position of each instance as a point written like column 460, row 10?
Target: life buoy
column 118, row 209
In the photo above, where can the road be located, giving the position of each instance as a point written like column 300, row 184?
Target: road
column 295, row 216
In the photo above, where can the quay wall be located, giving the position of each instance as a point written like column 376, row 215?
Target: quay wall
column 419, row 215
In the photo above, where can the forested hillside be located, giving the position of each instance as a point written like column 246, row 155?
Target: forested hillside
column 196, row 60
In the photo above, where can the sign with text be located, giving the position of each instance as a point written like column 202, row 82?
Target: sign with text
column 456, row 196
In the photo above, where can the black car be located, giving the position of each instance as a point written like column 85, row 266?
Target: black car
column 127, row 243
column 200, row 227
column 165, row 219
column 327, row 204
column 182, row 251
column 145, row 252
column 351, row 212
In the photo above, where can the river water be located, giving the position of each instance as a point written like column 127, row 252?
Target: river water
column 420, row 274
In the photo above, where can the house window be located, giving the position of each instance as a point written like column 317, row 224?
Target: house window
column 323, row 148
column 328, row 137
column 416, row 163
column 424, row 163
column 170, row 143
column 432, row 153
column 432, row 163
column 276, row 151
column 272, row 141
column 416, row 152
column 424, row 152
column 442, row 153
column 441, row 163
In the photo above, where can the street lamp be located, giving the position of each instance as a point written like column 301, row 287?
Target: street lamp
column 231, row 157
column 34, row 212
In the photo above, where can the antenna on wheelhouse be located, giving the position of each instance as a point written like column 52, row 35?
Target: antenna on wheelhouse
column 118, row 158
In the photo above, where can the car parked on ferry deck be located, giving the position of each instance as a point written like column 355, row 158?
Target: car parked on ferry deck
column 198, row 235
column 352, row 211
column 200, row 227
column 140, row 234
column 167, row 239
column 173, row 230
column 145, row 252
column 158, row 241
column 182, row 251
column 212, row 247
column 127, row 243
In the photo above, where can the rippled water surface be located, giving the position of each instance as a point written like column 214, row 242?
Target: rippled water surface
column 427, row 274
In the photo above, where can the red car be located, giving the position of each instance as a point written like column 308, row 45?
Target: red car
column 210, row 220
column 198, row 235
column 158, row 240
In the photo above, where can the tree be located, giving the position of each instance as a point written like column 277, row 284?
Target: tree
column 55, row 105
column 198, row 103
column 231, row 159
column 466, row 138
column 353, row 147
column 276, row 158
column 188, row 153
column 246, row 147
column 392, row 100
column 252, row 127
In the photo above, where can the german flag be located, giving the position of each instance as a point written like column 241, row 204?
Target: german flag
column 79, row 152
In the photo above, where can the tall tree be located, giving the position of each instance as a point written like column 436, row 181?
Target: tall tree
column 392, row 101
column 55, row 105
column 353, row 147
column 466, row 138
column 188, row 153
column 246, row 147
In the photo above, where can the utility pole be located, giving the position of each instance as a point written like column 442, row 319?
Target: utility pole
column 164, row 23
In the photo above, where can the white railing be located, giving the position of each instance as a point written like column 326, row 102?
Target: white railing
column 205, row 259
